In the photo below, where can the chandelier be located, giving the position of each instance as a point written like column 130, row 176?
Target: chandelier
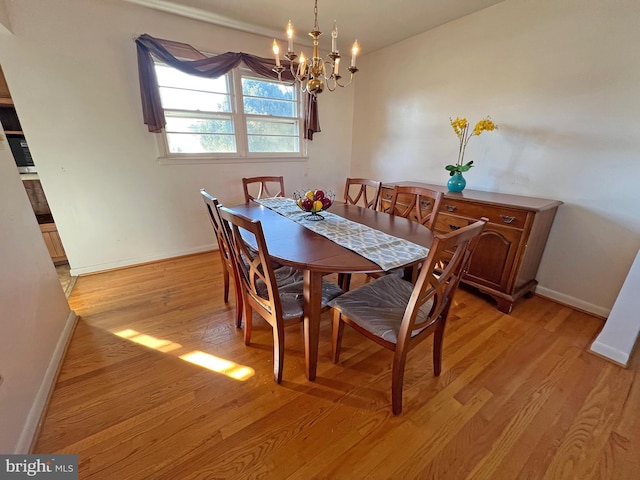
column 315, row 72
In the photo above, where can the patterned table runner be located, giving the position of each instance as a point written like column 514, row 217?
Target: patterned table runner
column 387, row 251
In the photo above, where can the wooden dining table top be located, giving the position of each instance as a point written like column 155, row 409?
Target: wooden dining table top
column 291, row 243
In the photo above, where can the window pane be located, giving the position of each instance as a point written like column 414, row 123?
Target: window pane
column 256, row 126
column 202, row 113
column 259, row 143
column 203, row 125
column 201, row 143
column 177, row 99
column 170, row 77
column 260, row 88
column 278, row 108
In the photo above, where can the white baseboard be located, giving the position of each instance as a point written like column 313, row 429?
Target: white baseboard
column 40, row 402
column 618, row 337
column 617, row 355
column 573, row 302
column 139, row 260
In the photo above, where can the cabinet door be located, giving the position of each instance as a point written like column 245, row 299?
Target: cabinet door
column 492, row 262
column 52, row 240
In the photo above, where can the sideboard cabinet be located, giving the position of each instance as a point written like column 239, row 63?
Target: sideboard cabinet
column 505, row 262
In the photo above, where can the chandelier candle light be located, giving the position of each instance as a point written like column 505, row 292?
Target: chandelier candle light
column 311, row 73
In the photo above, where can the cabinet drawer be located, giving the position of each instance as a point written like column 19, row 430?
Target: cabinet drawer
column 448, row 223
column 496, row 214
column 385, row 198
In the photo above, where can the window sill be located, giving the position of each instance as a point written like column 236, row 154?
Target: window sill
column 227, row 160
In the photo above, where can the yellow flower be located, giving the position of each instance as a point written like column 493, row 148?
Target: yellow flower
column 484, row 125
column 459, row 124
column 461, row 128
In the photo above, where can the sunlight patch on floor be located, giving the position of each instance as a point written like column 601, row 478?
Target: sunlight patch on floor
column 220, row 365
column 148, row 340
column 203, row 359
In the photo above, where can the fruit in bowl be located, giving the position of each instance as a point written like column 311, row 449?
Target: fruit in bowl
column 313, row 201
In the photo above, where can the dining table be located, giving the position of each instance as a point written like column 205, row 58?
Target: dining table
column 291, row 243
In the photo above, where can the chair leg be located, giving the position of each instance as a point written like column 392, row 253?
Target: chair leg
column 397, row 379
column 225, row 274
column 239, row 302
column 337, row 331
column 438, row 338
column 248, row 322
column 344, row 281
column 278, row 353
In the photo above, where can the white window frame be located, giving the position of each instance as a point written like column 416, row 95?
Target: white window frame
column 166, row 157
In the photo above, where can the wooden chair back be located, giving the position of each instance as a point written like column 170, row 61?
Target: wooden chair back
column 417, row 203
column 224, row 248
column 363, row 192
column 438, row 279
column 266, row 187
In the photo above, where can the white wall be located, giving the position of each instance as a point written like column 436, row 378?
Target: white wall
column 34, row 315
column 71, row 67
column 562, row 81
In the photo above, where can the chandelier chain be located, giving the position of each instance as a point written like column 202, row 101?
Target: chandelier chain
column 315, row 14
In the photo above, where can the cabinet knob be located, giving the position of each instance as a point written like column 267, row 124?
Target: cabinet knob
column 507, row 219
column 454, row 227
column 388, row 195
column 425, row 203
column 450, row 208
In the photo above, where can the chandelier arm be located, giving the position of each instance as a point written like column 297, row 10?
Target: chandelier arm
column 346, row 84
column 293, row 72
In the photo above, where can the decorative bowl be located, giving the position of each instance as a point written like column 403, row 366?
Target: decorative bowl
column 314, row 202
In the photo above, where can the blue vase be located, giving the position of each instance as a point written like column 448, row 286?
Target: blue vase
column 456, row 183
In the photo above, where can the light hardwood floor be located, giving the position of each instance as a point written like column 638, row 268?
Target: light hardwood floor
column 519, row 395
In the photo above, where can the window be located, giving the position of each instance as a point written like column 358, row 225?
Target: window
column 236, row 115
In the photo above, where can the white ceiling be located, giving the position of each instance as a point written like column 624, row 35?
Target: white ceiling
column 375, row 23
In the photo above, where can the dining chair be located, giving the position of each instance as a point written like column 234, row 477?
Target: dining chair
column 417, row 203
column 363, row 192
column 226, row 255
column 275, row 294
column 265, row 186
column 398, row 315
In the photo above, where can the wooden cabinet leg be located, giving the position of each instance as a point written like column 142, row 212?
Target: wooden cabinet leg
column 505, row 306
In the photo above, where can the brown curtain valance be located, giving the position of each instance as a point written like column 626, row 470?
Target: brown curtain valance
column 189, row 60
